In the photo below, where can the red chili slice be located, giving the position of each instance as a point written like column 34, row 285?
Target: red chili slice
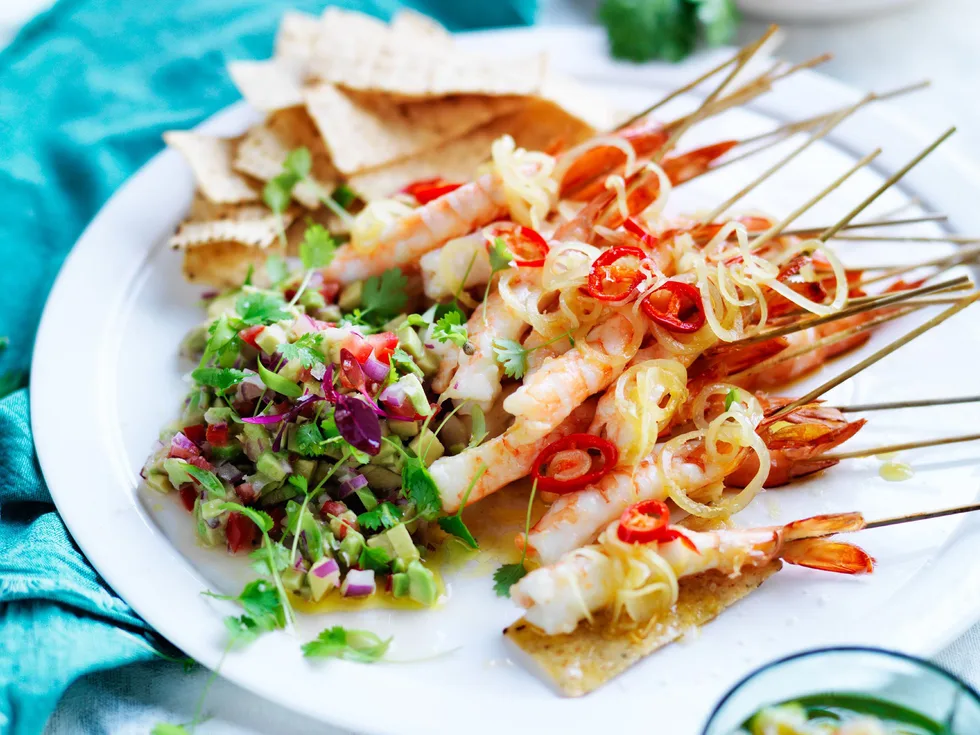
column 188, row 494
column 643, row 522
column 426, row 190
column 526, row 245
column 676, row 306
column 646, row 239
column 610, row 280
column 583, row 442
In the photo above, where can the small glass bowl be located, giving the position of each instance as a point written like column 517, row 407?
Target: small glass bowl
column 894, row 677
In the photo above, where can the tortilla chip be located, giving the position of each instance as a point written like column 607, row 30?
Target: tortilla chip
column 296, row 37
column 223, row 264
column 362, row 133
column 210, row 160
column 254, row 231
column 268, row 85
column 264, row 148
column 417, row 28
column 584, row 660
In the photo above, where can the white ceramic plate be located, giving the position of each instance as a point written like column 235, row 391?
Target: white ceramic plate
column 818, row 10
column 106, row 378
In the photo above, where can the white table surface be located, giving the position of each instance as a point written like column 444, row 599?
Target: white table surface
column 934, row 39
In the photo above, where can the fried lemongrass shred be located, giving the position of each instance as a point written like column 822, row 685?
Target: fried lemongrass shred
column 529, row 188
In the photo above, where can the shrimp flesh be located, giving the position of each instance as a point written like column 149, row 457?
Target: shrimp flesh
column 583, row 581
column 459, row 265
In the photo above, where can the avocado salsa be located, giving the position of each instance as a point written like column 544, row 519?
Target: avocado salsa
column 314, row 419
column 839, row 714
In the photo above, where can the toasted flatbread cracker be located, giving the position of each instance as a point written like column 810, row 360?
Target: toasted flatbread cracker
column 264, row 148
column 296, row 37
column 223, row 264
column 268, row 85
column 210, row 160
column 204, row 210
column 418, row 28
column 584, row 660
column 362, row 133
column 257, row 231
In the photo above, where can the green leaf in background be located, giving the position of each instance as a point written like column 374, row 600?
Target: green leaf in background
column 640, row 30
column 719, row 20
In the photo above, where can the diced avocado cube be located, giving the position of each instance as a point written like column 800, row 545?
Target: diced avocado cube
column 346, row 519
column 404, row 429
column 271, row 495
column 402, row 543
column 293, row 578
column 400, row 585
column 176, row 470
column 367, row 498
column 304, row 467
column 312, row 299
column 209, row 536
column 411, row 386
column 430, row 442
column 408, row 340
column 350, row 296
column 272, row 466
column 350, row 547
column 387, row 456
column 323, row 577
column 291, row 370
column 421, row 584
column 270, row 338
column 222, row 305
column 219, row 415
column 381, row 541
column 158, row 481
column 329, row 313
column 381, row 478
column 195, row 341
column 392, row 324
column 197, row 403
column 255, row 440
column 399, row 565
column 227, row 452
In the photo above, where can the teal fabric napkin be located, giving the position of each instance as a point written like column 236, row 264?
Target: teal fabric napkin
column 86, row 90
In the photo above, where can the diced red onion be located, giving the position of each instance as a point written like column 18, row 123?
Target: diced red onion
column 251, row 387
column 183, row 448
column 327, row 569
column 358, row 583
column 355, row 482
column 228, row 471
column 304, row 325
column 375, row 370
column 318, row 371
column 397, row 403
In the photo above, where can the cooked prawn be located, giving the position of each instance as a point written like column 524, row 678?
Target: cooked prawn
column 584, row 581
column 459, row 265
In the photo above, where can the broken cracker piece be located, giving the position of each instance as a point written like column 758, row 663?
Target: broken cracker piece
column 210, row 159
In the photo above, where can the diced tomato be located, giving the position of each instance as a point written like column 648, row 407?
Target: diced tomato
column 246, row 492
column 250, row 334
column 201, row 463
column 289, row 294
column 359, row 347
column 329, row 291
column 278, row 515
column 384, row 345
column 196, row 433
column 179, row 452
column 241, row 532
column 333, row 508
column 188, row 494
column 217, row 434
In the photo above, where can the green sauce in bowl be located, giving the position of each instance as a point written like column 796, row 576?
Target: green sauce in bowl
column 839, row 714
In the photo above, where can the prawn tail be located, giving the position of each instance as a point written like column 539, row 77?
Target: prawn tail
column 725, row 360
column 828, row 556
column 823, row 525
column 694, row 163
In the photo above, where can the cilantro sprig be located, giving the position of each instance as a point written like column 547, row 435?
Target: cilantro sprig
column 454, row 524
column 512, row 355
column 508, row 575
column 361, row 646
column 297, row 169
column 261, row 307
column 500, row 260
column 306, row 350
column 386, row 515
column 640, row 30
column 384, row 297
column 316, row 251
column 450, row 328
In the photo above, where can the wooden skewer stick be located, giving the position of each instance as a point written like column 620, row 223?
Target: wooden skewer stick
column 889, row 448
column 858, row 306
column 879, row 355
column 896, row 520
column 864, row 225
column 955, row 239
column 960, row 283
column 922, row 403
column 967, row 255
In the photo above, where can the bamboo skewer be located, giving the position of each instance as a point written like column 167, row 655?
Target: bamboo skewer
column 911, row 517
column 863, row 225
column 905, row 446
column 955, row 239
column 960, row 283
column 967, row 255
column 921, row 403
column 879, row 355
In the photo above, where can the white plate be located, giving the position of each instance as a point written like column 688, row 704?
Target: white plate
column 818, row 10
column 106, row 378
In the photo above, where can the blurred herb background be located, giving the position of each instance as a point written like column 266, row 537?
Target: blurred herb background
column 640, row 30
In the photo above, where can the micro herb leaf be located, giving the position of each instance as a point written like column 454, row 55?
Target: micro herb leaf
column 209, row 481
column 453, row 524
column 260, row 518
column 404, row 363
column 419, row 487
column 261, row 307
column 308, row 440
column 374, row 558
column 500, row 256
column 387, row 515
column 511, row 356
column 506, row 577
column 730, row 399
column 298, row 162
column 317, row 248
column 450, row 328
column 344, row 196
column 306, row 350
column 219, row 378
column 384, row 296
column 361, row 646
column 276, row 269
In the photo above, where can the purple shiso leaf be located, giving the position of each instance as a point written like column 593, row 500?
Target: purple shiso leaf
column 290, row 415
column 375, row 370
column 327, row 384
column 270, row 419
column 358, row 423
column 358, row 583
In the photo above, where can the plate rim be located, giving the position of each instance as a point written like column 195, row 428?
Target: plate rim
column 43, row 407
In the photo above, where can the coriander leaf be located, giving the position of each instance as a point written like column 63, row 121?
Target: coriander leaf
column 719, row 19
column 298, row 163
column 242, row 630
column 263, row 612
column 511, row 356
column 276, row 269
column 450, row 328
column 374, row 558
column 404, row 363
column 344, row 196
column 731, row 398
column 419, row 487
column 165, row 728
column 278, row 191
column 640, row 30
column 305, row 350
column 317, row 248
column 385, row 296
column 308, row 440
column 209, row 481
column 500, row 256
column 248, row 275
column 270, row 559
column 454, row 526
column 220, row 378
column 300, row 482
column 261, row 307
column 260, row 518
column 361, row 646
column 506, row 577
column 385, row 515
column 418, row 320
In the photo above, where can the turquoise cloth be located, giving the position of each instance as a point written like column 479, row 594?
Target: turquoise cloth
column 86, row 90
